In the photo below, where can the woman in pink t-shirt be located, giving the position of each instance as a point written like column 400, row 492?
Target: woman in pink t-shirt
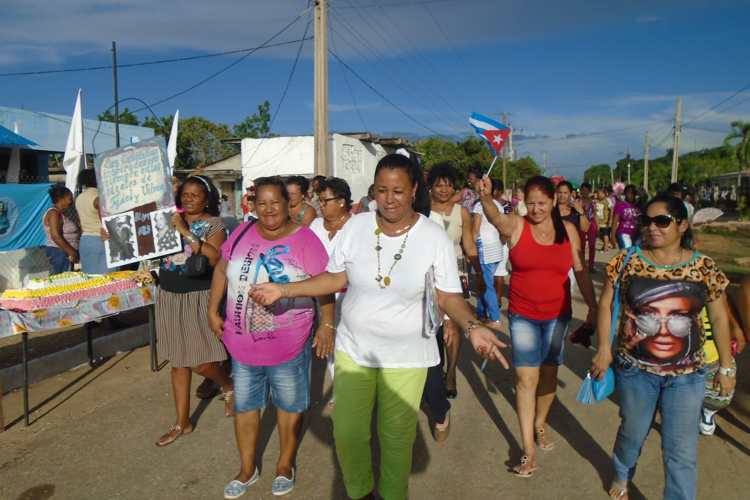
column 270, row 345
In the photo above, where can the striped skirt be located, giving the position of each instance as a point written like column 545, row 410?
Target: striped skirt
column 182, row 332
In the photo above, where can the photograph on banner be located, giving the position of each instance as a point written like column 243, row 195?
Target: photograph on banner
column 140, row 234
column 122, row 246
column 133, row 176
column 166, row 238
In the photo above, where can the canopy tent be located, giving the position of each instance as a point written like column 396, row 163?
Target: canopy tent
column 10, row 139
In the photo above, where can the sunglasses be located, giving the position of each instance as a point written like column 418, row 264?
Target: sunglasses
column 325, row 201
column 677, row 324
column 661, row 221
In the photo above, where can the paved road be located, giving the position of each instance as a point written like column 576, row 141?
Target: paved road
column 93, row 435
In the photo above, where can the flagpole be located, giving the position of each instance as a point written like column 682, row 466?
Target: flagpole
column 489, row 171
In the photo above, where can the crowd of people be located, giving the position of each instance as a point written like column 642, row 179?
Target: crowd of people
column 379, row 289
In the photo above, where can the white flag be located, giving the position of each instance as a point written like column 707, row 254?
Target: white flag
column 74, row 159
column 172, row 146
column 14, row 167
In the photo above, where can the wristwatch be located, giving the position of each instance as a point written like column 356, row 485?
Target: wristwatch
column 728, row 372
column 472, row 324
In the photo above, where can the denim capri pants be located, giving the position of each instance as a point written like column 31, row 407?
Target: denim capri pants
column 287, row 384
column 537, row 342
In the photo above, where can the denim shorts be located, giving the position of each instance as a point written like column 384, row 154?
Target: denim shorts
column 537, row 342
column 288, row 384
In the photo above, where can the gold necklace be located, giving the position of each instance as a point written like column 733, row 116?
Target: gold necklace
column 385, row 281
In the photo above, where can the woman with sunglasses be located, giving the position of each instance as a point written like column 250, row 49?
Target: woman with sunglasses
column 659, row 350
column 335, row 202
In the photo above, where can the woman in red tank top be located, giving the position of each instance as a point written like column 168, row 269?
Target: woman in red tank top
column 543, row 249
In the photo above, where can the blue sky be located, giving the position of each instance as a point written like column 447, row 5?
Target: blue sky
column 575, row 67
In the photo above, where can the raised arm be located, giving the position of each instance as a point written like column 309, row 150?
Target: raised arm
column 506, row 224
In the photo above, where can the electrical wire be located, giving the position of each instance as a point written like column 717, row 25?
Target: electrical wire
column 229, row 66
column 380, row 94
column 726, row 99
column 149, row 63
column 399, row 79
column 351, row 92
column 284, row 93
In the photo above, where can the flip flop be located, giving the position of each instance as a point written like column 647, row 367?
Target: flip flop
column 543, row 444
column 174, row 433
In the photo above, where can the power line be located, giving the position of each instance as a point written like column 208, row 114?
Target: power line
column 380, row 94
column 727, row 99
column 351, row 92
column 229, row 66
column 150, row 63
column 284, row 93
column 418, row 95
column 400, row 4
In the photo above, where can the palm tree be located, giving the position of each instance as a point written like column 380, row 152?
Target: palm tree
column 740, row 132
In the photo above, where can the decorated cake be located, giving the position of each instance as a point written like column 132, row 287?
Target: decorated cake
column 65, row 288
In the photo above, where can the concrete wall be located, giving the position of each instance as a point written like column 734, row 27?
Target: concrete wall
column 351, row 159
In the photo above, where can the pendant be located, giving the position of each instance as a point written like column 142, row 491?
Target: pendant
column 378, row 278
column 387, row 281
column 378, row 230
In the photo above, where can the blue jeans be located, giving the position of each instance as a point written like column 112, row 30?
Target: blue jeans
column 487, row 304
column 288, row 384
column 58, row 260
column 679, row 400
column 537, row 342
column 93, row 260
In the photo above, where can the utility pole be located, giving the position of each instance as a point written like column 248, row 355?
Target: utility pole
column 544, row 155
column 117, row 99
column 645, row 164
column 321, row 88
column 505, row 155
column 676, row 151
column 611, row 176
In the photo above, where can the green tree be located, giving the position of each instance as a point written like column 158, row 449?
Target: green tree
column 599, row 174
column 741, row 134
column 256, row 125
column 199, row 143
column 126, row 117
column 162, row 126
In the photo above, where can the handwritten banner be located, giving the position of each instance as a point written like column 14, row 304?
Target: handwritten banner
column 133, row 176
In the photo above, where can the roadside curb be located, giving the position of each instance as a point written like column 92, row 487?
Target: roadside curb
column 11, row 378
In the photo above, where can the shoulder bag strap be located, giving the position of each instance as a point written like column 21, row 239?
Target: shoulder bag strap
column 250, row 224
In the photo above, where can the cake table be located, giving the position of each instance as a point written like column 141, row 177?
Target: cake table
column 101, row 299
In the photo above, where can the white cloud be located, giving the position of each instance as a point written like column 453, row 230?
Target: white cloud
column 74, row 25
column 648, row 19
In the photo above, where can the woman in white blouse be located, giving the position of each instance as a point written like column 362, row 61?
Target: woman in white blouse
column 382, row 349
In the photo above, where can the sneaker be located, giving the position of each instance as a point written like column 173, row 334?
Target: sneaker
column 237, row 488
column 708, row 422
column 282, row 485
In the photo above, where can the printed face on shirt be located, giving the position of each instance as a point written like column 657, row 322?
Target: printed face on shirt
column 394, row 194
column 661, row 320
column 539, row 206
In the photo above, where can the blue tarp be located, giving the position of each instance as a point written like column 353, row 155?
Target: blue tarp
column 10, row 138
column 22, row 207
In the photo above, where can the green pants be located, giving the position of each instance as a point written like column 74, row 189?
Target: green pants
column 397, row 392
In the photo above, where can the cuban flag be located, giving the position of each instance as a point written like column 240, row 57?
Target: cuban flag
column 491, row 131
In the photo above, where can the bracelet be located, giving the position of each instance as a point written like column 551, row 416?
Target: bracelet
column 328, row 325
column 284, row 291
column 191, row 239
column 728, row 372
column 471, row 325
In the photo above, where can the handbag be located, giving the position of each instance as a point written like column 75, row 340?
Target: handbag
column 592, row 389
column 197, row 265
